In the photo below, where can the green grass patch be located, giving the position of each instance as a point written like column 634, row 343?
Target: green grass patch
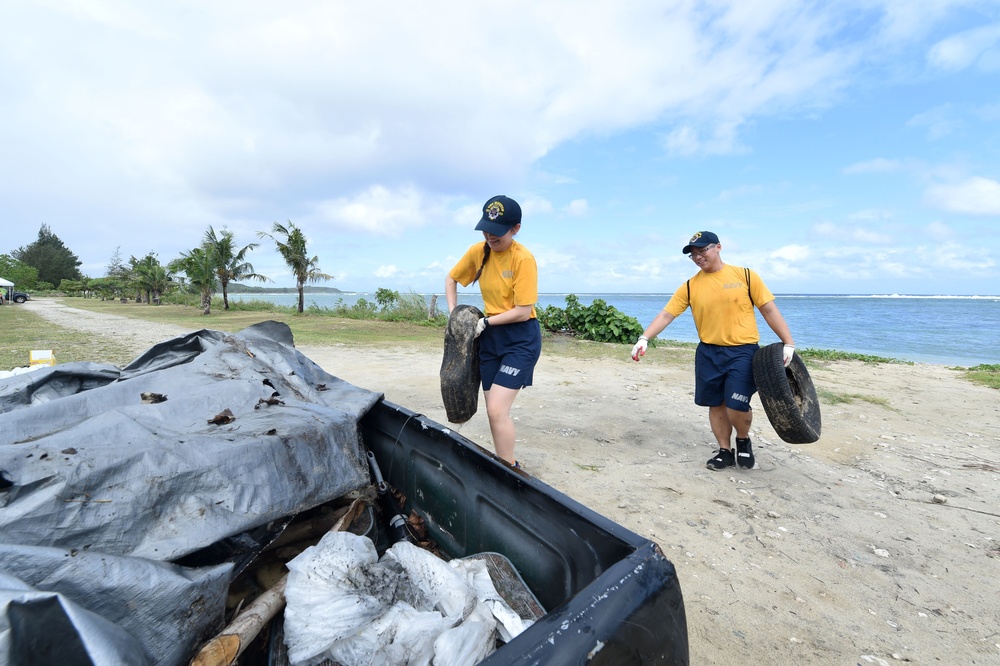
column 313, row 327
column 833, row 355
column 985, row 375
column 22, row 331
column 832, row 398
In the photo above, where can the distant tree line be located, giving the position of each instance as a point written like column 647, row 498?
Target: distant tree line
column 206, row 270
column 220, row 264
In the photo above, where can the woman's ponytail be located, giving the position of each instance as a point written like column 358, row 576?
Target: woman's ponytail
column 486, row 255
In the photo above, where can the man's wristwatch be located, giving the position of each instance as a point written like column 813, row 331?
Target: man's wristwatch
column 486, row 322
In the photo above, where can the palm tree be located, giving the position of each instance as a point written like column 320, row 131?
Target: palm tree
column 199, row 267
column 151, row 278
column 293, row 250
column 231, row 265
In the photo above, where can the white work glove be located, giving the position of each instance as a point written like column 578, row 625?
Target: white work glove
column 640, row 348
column 481, row 326
column 786, row 354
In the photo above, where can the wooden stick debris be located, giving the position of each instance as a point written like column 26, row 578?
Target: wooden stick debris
column 234, row 639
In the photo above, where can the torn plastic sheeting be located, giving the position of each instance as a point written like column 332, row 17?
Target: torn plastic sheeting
column 111, row 606
column 346, row 604
column 92, row 465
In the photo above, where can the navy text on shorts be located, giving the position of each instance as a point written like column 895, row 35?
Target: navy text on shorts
column 724, row 375
column 508, row 354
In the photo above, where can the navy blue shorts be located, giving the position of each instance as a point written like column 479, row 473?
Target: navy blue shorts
column 508, row 354
column 724, row 375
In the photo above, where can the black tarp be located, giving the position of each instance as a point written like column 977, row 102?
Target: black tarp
column 111, row 475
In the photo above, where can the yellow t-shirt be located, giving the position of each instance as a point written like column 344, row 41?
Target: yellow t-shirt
column 720, row 305
column 509, row 278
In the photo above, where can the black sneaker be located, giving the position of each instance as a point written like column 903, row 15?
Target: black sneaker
column 744, row 453
column 723, row 458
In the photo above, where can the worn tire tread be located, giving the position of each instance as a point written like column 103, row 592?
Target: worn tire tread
column 460, row 378
column 788, row 395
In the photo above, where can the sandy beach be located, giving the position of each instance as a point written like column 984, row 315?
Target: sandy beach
column 875, row 545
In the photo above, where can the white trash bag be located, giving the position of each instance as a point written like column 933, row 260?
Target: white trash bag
column 410, row 607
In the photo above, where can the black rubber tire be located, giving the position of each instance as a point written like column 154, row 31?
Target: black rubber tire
column 788, row 395
column 20, row 299
column 460, row 378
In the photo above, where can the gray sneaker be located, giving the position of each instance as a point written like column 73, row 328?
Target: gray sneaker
column 744, row 453
column 722, row 459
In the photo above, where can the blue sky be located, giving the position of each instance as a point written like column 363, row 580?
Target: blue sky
column 847, row 147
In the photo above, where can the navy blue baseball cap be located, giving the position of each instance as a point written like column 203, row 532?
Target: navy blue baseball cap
column 700, row 239
column 500, row 214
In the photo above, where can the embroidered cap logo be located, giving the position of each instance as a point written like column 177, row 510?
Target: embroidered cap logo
column 694, row 238
column 494, row 210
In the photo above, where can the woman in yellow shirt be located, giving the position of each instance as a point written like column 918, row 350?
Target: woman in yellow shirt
column 510, row 338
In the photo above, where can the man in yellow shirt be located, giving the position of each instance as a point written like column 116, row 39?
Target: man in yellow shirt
column 722, row 299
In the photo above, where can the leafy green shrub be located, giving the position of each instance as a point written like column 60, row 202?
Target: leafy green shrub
column 411, row 307
column 386, row 298
column 552, row 319
column 181, row 297
column 599, row 321
column 364, row 309
column 389, row 306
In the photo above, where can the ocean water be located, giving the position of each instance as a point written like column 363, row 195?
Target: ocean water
column 950, row 330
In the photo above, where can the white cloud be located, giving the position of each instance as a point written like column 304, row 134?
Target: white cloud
column 780, row 269
column 939, row 231
column 721, row 138
column 825, row 230
column 877, row 165
column 682, row 141
column 990, row 60
column 532, row 206
column 964, row 49
column 379, row 211
column 953, row 258
column 844, row 234
column 975, row 196
column 271, row 100
column 787, row 262
column 940, row 122
column 741, row 191
column 989, row 112
column 380, row 129
column 553, row 261
column 869, row 236
column 792, row 252
column 466, row 217
column 871, row 215
column 577, row 207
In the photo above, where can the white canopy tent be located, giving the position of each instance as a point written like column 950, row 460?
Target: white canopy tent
column 5, row 287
